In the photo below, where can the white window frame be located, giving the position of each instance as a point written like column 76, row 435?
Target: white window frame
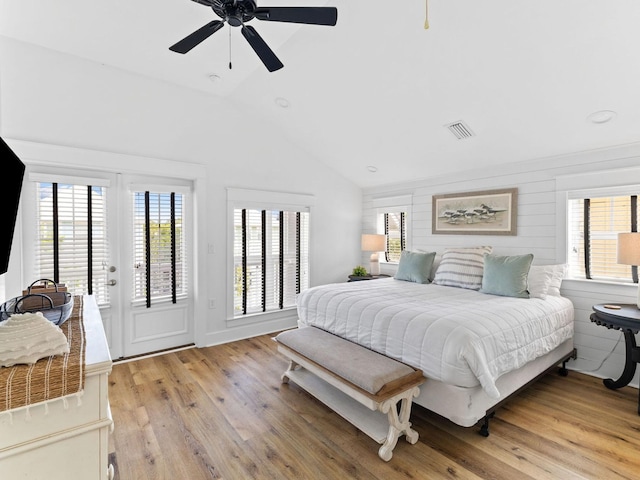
column 593, row 184
column 239, row 198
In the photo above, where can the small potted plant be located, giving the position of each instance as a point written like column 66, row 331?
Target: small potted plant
column 359, row 273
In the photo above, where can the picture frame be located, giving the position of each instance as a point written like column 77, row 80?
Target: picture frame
column 488, row 212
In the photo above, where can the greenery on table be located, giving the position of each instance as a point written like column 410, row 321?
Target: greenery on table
column 360, row 271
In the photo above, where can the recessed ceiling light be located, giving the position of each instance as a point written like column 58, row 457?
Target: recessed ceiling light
column 602, row 116
column 372, row 169
column 282, row 102
column 215, row 78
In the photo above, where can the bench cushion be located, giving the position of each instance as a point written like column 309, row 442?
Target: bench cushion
column 357, row 364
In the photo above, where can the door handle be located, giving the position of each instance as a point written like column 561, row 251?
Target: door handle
column 111, row 282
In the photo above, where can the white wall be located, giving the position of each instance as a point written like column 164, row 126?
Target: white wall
column 541, row 229
column 62, row 110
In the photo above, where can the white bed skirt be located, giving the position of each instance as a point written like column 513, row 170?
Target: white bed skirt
column 465, row 406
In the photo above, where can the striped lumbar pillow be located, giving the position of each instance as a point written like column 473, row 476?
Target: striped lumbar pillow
column 462, row 267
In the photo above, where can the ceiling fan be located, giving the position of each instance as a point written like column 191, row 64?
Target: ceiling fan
column 237, row 12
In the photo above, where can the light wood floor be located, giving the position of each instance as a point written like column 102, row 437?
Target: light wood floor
column 221, row 412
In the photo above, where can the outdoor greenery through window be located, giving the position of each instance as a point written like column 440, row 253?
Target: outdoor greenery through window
column 396, row 232
column 71, row 244
column 594, row 224
column 271, row 259
column 160, row 267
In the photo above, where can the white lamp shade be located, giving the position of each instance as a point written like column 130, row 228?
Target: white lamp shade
column 373, row 243
column 629, row 248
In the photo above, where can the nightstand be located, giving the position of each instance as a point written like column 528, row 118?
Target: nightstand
column 626, row 318
column 356, row 278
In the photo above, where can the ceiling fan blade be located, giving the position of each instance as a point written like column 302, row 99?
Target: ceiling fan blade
column 208, row 3
column 308, row 15
column 200, row 35
column 261, row 48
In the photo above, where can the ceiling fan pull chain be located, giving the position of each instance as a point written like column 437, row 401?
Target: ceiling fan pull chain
column 229, row 49
column 426, row 14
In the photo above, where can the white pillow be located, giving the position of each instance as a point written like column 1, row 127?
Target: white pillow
column 546, row 280
column 462, row 267
column 560, row 271
column 539, row 279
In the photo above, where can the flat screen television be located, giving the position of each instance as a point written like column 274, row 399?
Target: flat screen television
column 12, row 174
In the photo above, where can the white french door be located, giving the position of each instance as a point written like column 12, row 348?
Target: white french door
column 94, row 248
column 157, row 283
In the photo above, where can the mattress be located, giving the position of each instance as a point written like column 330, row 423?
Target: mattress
column 457, row 336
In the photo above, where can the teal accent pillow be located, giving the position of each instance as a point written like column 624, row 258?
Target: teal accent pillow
column 415, row 266
column 506, row 276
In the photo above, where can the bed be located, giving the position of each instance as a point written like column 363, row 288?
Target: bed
column 475, row 349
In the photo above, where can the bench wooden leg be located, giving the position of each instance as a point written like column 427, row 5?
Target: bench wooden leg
column 398, row 424
column 292, row 366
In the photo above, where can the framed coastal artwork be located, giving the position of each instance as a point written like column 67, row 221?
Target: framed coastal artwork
column 489, row 212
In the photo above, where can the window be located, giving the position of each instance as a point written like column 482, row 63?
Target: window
column 395, row 230
column 594, row 224
column 393, row 219
column 160, row 267
column 271, row 259
column 71, row 237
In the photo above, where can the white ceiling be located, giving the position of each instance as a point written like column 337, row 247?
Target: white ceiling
column 377, row 89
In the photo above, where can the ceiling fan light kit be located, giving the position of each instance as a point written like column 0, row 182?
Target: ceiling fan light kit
column 238, row 12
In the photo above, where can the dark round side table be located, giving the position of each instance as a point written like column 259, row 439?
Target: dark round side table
column 626, row 319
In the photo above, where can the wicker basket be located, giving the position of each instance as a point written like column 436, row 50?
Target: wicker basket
column 56, row 306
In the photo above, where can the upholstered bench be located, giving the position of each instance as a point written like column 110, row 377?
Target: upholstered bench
column 337, row 372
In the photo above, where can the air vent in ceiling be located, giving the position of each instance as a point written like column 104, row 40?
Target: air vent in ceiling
column 460, row 130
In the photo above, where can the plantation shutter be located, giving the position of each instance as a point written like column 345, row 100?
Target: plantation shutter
column 271, row 259
column 302, row 263
column 395, row 231
column 71, row 235
column 251, row 272
column 160, row 269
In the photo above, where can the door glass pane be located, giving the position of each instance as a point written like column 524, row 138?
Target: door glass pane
column 79, row 215
column 152, row 246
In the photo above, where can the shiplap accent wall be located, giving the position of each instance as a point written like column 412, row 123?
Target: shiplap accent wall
column 540, row 230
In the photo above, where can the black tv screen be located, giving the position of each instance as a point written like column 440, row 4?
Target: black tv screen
column 12, row 173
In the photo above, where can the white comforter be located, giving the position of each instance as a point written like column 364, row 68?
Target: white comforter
column 458, row 336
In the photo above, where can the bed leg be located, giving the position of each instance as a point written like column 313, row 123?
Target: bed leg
column 484, row 429
column 563, row 371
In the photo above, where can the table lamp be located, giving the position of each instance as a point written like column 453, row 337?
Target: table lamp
column 375, row 244
column 629, row 251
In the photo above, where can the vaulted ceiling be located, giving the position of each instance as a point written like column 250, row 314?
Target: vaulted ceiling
column 378, row 89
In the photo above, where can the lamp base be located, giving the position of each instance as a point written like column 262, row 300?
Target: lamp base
column 374, row 265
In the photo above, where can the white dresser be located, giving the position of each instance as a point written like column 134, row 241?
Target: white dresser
column 65, row 438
